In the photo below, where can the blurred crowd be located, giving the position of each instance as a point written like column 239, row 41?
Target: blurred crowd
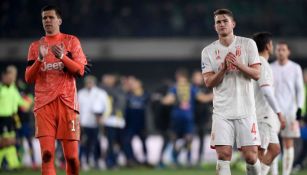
column 153, row 18
column 115, row 110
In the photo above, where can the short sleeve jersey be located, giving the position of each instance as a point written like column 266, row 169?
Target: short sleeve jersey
column 185, row 95
column 234, row 96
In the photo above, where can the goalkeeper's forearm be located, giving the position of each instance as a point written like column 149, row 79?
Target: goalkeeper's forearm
column 32, row 70
column 73, row 67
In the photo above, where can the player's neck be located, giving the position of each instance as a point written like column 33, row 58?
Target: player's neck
column 54, row 37
column 138, row 92
column 89, row 88
column 53, row 34
column 283, row 62
column 265, row 55
column 227, row 40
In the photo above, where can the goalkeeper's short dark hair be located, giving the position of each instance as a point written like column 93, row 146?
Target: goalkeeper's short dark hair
column 52, row 7
column 262, row 39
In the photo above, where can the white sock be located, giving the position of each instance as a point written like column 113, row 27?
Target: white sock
column 287, row 161
column 253, row 169
column 223, row 167
column 274, row 166
column 264, row 169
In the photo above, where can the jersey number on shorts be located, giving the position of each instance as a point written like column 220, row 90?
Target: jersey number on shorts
column 254, row 131
column 73, row 125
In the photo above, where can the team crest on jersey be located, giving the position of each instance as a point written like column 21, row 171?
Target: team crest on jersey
column 238, row 51
column 203, row 66
column 217, row 54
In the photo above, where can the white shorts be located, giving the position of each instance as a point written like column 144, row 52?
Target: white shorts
column 292, row 129
column 243, row 132
column 267, row 135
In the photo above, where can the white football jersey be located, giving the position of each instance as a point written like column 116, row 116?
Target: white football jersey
column 289, row 86
column 234, row 96
column 264, row 111
column 93, row 101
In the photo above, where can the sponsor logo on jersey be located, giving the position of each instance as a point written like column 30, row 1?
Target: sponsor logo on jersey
column 53, row 66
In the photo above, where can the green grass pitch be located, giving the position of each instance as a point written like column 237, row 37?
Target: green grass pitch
column 140, row 171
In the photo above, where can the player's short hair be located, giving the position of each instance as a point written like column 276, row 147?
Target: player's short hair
column 283, row 43
column 11, row 69
column 90, row 78
column 262, row 39
column 182, row 72
column 223, row 12
column 52, row 7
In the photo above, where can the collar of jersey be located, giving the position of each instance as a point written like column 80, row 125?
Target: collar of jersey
column 53, row 37
column 234, row 40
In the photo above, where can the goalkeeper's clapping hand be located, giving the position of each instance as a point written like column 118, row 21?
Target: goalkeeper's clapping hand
column 87, row 68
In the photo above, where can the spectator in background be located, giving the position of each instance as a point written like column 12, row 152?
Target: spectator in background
column 202, row 112
column 183, row 96
column 162, row 115
column 135, row 117
column 299, row 162
column 93, row 103
column 114, row 122
column 10, row 99
column 27, row 122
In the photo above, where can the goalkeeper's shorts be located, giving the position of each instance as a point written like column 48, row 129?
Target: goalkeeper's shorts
column 57, row 120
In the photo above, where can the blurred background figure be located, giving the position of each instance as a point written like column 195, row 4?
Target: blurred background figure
column 135, row 117
column 10, row 99
column 202, row 113
column 114, row 122
column 93, row 104
column 162, row 116
column 289, row 92
column 183, row 96
column 26, row 131
column 300, row 162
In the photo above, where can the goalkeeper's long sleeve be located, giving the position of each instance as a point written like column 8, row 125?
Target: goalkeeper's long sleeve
column 32, row 70
column 72, row 66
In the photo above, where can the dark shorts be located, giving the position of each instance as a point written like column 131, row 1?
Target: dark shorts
column 7, row 124
column 26, row 130
column 182, row 124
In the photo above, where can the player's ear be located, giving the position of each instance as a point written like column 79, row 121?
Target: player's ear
column 233, row 23
column 267, row 46
column 60, row 21
column 214, row 26
column 289, row 52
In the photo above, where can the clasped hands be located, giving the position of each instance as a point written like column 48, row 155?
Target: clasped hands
column 230, row 60
column 57, row 50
